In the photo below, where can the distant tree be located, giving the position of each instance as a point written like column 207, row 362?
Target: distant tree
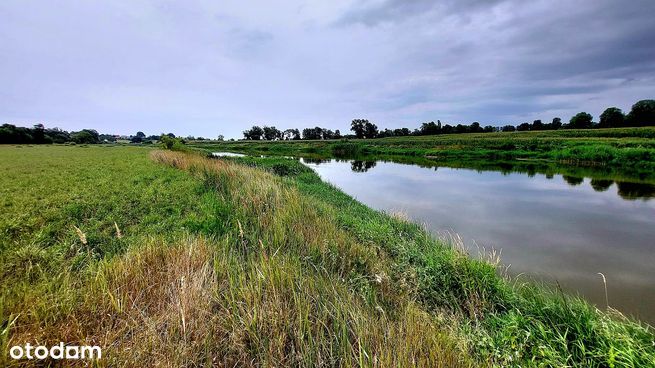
column 612, row 117
column 38, row 134
column 170, row 135
column 220, row 138
column 253, row 134
column 385, row 133
column 358, row 126
column 57, row 135
column 271, row 133
column 537, row 125
column 447, row 129
column 523, row 127
column 401, row 132
column 642, row 113
column 508, row 128
column 475, row 128
column 337, row 134
column 430, row 128
column 11, row 134
column 490, row 129
column 312, row 133
column 459, row 128
column 328, row 134
column 581, row 120
column 138, row 138
column 86, row 136
column 291, row 134
column 370, row 130
column 556, row 124
column 109, row 138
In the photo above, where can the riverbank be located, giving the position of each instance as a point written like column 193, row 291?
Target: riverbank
column 159, row 255
column 619, row 152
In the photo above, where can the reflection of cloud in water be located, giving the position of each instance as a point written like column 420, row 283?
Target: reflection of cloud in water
column 543, row 226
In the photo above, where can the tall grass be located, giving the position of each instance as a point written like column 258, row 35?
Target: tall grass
column 265, row 282
column 268, row 266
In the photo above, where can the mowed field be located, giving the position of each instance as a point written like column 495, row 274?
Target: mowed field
column 174, row 259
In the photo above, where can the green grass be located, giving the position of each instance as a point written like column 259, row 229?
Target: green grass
column 257, row 262
column 624, row 152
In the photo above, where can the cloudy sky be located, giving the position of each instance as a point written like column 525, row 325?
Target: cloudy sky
column 205, row 68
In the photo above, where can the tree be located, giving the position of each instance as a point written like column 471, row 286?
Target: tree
column 461, row 128
column 475, row 128
column 430, row 128
column 537, row 125
column 523, row 127
column 312, row 133
column 38, row 134
column 358, row 127
column 642, row 113
column 86, row 136
column 291, row 134
column 612, row 117
column 254, row 134
column 171, row 143
column 328, row 134
column 581, row 120
column 508, row 128
column 271, row 133
column 220, row 138
column 337, row 134
column 57, row 135
column 138, row 138
column 490, row 129
column 401, row 132
column 556, row 124
column 370, row 130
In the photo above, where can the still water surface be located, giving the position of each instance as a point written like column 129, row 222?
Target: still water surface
column 549, row 227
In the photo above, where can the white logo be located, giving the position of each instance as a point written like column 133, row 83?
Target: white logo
column 59, row 351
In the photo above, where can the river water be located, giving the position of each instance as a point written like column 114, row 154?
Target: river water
column 552, row 228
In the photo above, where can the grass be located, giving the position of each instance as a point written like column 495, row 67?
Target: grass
column 257, row 262
column 624, row 152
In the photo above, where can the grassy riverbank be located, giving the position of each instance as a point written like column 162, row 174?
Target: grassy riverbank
column 624, row 152
column 160, row 256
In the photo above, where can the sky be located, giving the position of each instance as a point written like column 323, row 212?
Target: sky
column 205, row 68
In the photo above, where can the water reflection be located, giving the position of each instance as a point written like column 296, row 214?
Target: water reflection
column 635, row 190
column 362, row 166
column 552, row 226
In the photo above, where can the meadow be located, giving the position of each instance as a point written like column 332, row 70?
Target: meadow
column 176, row 259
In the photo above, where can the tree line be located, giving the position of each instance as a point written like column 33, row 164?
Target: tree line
column 641, row 114
column 38, row 134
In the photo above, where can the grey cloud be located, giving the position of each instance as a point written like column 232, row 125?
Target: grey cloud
column 206, row 68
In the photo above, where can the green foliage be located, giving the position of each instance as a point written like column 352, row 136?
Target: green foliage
column 612, row 117
column 171, row 143
column 642, row 113
column 581, row 120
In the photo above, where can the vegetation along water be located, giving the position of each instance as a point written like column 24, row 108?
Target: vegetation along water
column 170, row 255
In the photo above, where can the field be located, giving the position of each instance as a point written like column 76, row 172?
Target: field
column 626, row 152
column 172, row 258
